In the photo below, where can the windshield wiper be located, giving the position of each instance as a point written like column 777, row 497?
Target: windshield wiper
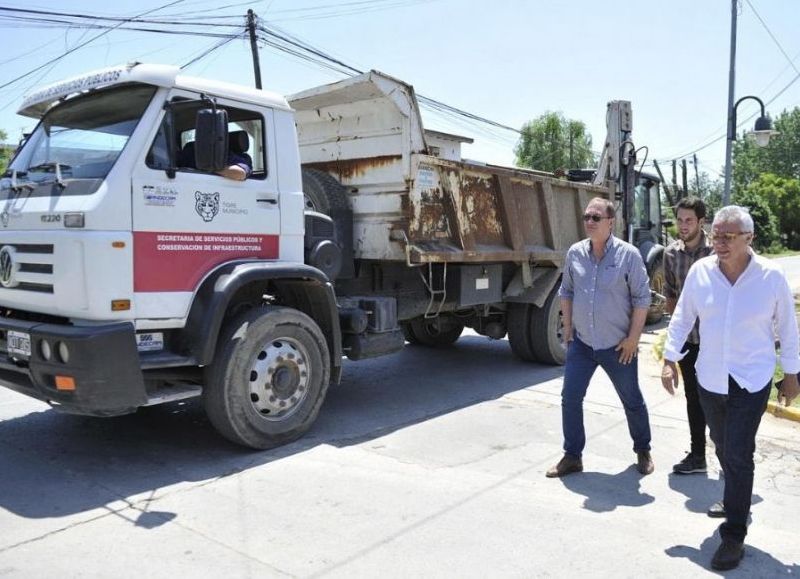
column 56, row 167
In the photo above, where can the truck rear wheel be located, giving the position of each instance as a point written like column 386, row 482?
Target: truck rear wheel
column 519, row 335
column 546, row 331
column 269, row 377
column 535, row 334
column 439, row 332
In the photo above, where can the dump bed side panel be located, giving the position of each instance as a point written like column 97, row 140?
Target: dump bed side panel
column 463, row 212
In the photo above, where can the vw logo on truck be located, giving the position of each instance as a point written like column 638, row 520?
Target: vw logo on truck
column 7, row 267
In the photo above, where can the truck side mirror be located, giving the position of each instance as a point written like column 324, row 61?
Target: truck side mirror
column 211, row 140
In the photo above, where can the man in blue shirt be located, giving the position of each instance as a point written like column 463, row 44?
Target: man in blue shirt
column 605, row 295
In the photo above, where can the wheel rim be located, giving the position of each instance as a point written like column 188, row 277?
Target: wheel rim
column 279, row 379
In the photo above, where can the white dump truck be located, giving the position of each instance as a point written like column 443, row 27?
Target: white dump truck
column 132, row 273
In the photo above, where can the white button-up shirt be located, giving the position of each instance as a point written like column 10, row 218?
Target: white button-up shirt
column 738, row 324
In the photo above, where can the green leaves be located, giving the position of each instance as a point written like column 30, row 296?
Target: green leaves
column 552, row 142
column 5, row 152
column 772, row 174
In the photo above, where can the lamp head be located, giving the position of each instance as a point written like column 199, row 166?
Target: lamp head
column 763, row 131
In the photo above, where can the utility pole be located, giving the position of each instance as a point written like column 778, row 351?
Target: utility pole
column 670, row 199
column 675, row 180
column 685, row 182
column 696, row 175
column 726, row 192
column 251, row 27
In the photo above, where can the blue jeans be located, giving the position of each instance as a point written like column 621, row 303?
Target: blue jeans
column 582, row 361
column 733, row 420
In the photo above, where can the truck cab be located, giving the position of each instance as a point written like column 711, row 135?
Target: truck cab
column 120, row 259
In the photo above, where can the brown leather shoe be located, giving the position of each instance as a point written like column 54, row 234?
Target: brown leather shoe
column 567, row 465
column 644, row 462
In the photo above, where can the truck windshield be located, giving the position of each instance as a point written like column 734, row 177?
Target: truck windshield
column 81, row 138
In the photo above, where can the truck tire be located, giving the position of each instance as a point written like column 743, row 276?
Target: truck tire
column 269, row 377
column 433, row 333
column 322, row 193
column 658, row 306
column 518, row 321
column 546, row 331
column 409, row 333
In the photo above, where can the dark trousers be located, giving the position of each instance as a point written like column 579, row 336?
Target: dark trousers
column 733, row 420
column 697, row 420
column 581, row 363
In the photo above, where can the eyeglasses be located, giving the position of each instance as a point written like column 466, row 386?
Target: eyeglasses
column 593, row 217
column 726, row 237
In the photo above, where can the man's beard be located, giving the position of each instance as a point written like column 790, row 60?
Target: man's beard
column 691, row 238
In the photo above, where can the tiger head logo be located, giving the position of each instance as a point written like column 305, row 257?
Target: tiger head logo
column 206, row 205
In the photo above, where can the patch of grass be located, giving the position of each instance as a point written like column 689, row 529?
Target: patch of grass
column 782, row 253
column 658, row 346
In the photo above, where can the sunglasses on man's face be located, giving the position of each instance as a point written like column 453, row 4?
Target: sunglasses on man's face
column 593, row 217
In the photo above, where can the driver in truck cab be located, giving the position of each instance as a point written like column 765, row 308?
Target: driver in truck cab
column 240, row 164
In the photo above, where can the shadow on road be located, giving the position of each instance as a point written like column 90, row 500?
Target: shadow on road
column 606, row 492
column 55, row 465
column 756, row 563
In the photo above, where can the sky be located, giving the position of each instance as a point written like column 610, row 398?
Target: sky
column 505, row 60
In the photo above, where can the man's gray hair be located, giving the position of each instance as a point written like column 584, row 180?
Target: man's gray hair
column 735, row 214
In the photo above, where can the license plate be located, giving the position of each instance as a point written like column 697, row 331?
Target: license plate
column 19, row 343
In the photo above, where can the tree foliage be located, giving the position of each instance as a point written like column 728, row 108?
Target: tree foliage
column 5, row 152
column 782, row 195
column 773, row 174
column 767, row 236
column 552, row 142
column 781, row 157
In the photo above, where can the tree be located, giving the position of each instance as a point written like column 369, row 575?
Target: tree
column 709, row 190
column 781, row 157
column 782, row 195
column 5, row 152
column 552, row 142
column 766, row 224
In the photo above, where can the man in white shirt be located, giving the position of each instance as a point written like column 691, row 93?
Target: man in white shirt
column 741, row 300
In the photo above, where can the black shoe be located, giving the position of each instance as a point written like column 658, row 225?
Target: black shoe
column 691, row 463
column 728, row 555
column 567, row 465
column 716, row 511
column 644, row 462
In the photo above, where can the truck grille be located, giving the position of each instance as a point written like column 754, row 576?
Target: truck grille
column 26, row 267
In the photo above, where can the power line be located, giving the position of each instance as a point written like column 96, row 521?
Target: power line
column 78, row 47
column 772, row 36
column 217, row 45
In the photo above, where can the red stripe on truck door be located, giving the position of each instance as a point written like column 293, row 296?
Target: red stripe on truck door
column 166, row 261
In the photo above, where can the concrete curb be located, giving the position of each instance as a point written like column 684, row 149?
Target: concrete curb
column 790, row 412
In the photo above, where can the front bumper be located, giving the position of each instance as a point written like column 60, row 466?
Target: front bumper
column 103, row 364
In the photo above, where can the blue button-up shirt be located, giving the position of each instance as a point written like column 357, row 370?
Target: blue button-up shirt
column 605, row 292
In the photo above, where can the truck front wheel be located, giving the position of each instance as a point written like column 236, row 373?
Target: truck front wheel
column 269, row 377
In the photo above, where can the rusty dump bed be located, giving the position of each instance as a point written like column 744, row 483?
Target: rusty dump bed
column 414, row 199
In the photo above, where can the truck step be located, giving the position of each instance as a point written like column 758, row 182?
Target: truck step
column 173, row 393
column 154, row 360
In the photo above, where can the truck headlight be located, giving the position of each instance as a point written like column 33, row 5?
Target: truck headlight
column 46, row 350
column 63, row 352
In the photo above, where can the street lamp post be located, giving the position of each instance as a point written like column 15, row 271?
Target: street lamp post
column 762, row 131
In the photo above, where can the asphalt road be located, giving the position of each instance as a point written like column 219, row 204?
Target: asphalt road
column 424, row 463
